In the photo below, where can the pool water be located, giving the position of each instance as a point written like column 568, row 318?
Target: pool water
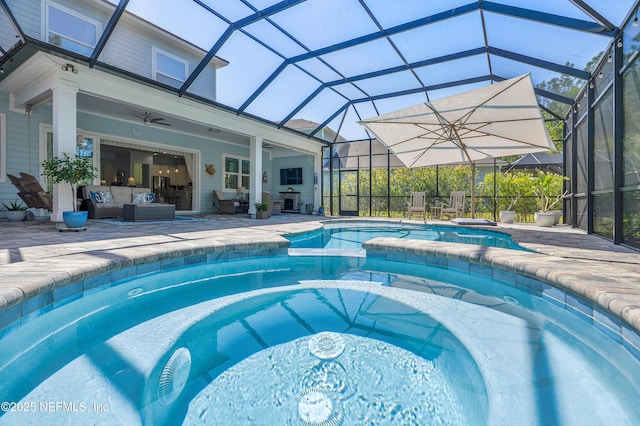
column 315, row 340
column 350, row 235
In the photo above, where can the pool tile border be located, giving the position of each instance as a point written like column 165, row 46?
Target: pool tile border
column 553, row 278
column 51, row 285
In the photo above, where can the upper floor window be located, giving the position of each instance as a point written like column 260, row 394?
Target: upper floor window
column 168, row 69
column 71, row 31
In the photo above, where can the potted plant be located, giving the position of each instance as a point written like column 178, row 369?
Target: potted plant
column 16, row 211
column 261, row 210
column 70, row 170
column 548, row 189
column 513, row 186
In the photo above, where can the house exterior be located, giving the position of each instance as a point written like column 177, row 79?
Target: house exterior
column 120, row 108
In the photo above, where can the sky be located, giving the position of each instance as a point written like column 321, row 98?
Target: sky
column 256, row 52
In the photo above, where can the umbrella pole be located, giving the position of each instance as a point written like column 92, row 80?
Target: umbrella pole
column 473, row 190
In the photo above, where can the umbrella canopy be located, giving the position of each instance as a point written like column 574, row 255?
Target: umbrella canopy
column 493, row 121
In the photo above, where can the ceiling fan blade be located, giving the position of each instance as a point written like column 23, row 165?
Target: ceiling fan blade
column 156, row 121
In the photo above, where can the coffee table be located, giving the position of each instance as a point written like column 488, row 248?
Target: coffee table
column 142, row 212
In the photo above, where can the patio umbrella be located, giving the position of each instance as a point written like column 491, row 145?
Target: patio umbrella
column 493, row 121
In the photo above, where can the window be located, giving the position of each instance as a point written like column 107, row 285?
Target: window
column 3, row 148
column 70, row 31
column 168, row 69
column 237, row 172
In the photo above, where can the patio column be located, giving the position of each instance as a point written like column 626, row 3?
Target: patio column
column 64, row 138
column 255, row 157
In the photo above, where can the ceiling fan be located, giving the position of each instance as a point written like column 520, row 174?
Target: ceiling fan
column 148, row 120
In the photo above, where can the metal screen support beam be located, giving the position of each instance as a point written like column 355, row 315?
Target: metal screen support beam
column 548, row 18
column 574, row 167
column 12, row 19
column 262, row 14
column 590, row 156
column 107, row 32
column 593, row 14
column 618, row 133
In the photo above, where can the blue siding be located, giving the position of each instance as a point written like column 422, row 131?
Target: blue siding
column 21, row 144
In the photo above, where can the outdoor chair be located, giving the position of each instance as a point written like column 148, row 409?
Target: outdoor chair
column 31, row 192
column 226, row 206
column 417, row 204
column 456, row 205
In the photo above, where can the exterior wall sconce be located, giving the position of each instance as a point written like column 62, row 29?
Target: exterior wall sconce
column 265, row 177
column 619, row 43
column 70, row 67
column 635, row 21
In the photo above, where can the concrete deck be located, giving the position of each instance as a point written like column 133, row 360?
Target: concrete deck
column 36, row 259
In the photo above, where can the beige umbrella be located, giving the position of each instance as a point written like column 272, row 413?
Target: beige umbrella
column 493, row 121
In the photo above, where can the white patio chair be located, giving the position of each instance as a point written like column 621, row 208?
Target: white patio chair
column 456, row 205
column 417, row 204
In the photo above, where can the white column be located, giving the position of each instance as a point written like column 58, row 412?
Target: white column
column 255, row 157
column 64, row 139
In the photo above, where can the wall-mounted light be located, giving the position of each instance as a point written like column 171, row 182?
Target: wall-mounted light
column 265, row 177
column 1, row 70
column 619, row 42
column 609, row 58
column 591, row 85
column 69, row 67
column 635, row 21
column 600, row 75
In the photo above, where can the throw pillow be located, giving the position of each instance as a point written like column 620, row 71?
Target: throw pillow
column 101, row 197
column 106, row 197
column 143, row 198
column 139, row 197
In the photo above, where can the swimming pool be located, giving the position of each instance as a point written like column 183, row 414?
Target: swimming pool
column 349, row 235
column 219, row 343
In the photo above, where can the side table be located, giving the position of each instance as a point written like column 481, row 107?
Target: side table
column 436, row 212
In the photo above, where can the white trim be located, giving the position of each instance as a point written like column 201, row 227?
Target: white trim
column 3, row 147
column 45, row 24
column 154, row 65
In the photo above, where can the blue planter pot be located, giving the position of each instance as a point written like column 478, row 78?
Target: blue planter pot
column 74, row 219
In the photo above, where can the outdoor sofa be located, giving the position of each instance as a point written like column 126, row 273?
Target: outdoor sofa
column 108, row 201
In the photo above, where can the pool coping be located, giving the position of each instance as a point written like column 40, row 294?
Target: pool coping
column 608, row 294
column 610, row 300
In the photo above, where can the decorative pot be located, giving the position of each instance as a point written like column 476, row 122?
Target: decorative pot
column 507, row 216
column 557, row 214
column 262, row 214
column 15, row 215
column 544, row 219
column 74, row 219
